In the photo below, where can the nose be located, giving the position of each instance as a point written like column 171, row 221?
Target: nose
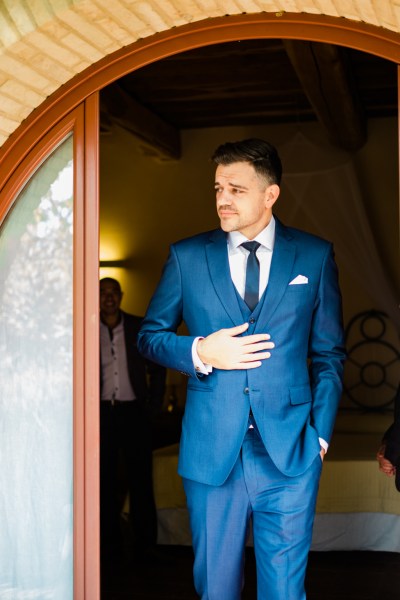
column 108, row 296
column 223, row 198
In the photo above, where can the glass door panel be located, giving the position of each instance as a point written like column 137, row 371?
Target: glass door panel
column 36, row 391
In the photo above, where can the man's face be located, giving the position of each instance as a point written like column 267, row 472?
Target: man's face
column 110, row 298
column 244, row 199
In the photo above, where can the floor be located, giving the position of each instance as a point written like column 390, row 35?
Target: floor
column 330, row 576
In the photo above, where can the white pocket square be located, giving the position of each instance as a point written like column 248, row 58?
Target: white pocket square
column 300, row 279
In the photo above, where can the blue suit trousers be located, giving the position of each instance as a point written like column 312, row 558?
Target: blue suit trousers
column 281, row 510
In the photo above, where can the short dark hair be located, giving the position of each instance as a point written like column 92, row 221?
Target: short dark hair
column 262, row 155
column 111, row 280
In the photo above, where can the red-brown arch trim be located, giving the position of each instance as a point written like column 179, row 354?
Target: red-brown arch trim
column 320, row 28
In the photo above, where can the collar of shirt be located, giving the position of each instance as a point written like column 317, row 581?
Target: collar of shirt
column 266, row 238
column 238, row 257
column 118, row 328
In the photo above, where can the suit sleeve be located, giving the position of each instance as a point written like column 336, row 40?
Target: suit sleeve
column 391, row 438
column 158, row 340
column 326, row 349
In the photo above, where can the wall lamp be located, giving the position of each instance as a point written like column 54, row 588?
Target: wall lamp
column 125, row 263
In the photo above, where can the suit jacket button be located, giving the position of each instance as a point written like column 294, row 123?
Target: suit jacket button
column 246, row 390
column 252, row 320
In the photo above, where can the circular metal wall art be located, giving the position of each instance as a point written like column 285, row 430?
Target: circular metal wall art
column 372, row 370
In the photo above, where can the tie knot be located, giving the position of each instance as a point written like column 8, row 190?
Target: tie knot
column 252, row 247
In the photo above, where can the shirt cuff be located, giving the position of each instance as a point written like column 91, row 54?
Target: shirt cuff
column 199, row 366
column 323, row 444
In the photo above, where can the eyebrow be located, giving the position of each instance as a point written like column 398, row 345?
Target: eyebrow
column 235, row 185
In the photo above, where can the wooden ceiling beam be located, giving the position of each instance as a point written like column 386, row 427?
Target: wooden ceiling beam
column 325, row 75
column 158, row 138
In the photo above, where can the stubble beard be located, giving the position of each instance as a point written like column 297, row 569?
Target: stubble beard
column 229, row 225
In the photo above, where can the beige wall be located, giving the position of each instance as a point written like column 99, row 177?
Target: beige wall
column 146, row 205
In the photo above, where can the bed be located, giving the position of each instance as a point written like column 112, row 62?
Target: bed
column 358, row 507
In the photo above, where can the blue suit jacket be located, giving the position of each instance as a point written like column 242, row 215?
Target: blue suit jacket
column 294, row 394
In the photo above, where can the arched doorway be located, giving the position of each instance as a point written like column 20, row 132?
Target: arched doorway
column 22, row 148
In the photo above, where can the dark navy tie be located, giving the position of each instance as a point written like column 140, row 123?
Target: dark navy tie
column 252, row 275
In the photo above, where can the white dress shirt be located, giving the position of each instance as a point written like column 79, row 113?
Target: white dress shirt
column 116, row 384
column 238, row 257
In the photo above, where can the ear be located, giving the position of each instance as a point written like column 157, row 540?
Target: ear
column 271, row 195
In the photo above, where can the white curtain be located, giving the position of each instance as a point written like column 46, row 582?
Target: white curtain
column 327, row 190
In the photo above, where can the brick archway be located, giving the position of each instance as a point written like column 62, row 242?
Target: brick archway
column 46, row 45
column 367, row 38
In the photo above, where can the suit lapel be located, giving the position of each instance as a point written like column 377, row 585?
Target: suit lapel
column 218, row 264
column 279, row 277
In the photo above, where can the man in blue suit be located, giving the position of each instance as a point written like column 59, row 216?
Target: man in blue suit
column 265, row 372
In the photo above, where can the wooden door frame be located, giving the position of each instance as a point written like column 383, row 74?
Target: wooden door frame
column 86, row 363
column 82, row 92
column 82, row 122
